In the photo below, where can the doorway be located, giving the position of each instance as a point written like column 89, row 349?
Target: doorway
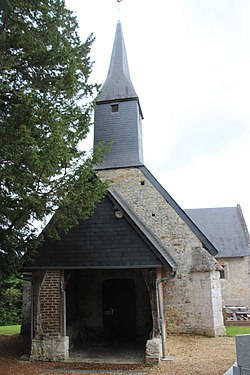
column 119, row 308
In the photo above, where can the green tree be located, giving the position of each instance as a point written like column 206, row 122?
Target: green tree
column 46, row 104
column 10, row 301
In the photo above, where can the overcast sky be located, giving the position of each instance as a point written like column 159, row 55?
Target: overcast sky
column 189, row 62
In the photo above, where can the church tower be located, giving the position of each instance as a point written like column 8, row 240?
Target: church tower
column 118, row 113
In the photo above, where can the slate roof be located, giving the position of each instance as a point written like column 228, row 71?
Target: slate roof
column 118, row 85
column 226, row 229
column 104, row 242
column 208, row 245
column 118, row 113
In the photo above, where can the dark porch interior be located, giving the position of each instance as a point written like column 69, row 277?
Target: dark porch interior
column 109, row 351
column 107, row 311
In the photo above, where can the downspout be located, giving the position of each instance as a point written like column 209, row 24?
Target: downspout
column 160, row 311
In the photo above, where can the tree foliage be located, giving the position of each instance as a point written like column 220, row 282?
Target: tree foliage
column 10, row 301
column 46, row 103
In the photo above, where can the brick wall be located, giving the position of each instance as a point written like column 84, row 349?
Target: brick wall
column 50, row 297
column 49, row 342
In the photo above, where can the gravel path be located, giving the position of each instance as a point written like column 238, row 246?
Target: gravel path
column 193, row 355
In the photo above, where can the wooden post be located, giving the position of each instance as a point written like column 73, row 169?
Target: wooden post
column 150, row 277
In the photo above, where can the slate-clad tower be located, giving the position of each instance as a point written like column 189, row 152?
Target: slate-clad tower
column 118, row 113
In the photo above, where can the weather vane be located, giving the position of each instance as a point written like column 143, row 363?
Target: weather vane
column 118, row 7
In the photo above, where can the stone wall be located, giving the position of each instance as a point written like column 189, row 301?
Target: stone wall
column 50, row 348
column 197, row 271
column 193, row 304
column 236, row 285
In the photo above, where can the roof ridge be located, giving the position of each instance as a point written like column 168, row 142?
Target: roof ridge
column 193, row 227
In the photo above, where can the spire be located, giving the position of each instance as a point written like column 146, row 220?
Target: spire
column 118, row 113
column 118, row 84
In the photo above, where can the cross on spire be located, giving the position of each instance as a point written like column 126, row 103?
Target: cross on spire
column 118, row 8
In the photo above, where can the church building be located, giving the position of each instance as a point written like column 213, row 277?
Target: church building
column 139, row 267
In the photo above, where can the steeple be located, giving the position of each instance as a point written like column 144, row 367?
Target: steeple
column 118, row 84
column 118, row 113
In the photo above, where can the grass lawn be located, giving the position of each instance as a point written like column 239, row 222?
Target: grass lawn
column 230, row 330
column 9, row 330
column 237, row 330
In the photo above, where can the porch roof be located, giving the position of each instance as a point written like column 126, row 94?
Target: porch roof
column 106, row 240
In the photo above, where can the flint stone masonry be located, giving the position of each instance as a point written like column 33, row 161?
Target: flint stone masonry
column 50, row 349
column 193, row 298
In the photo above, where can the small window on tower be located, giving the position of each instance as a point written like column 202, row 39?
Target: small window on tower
column 223, row 272
column 114, row 108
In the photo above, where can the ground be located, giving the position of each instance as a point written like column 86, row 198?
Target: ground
column 193, row 355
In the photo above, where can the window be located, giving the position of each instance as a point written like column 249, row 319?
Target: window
column 114, row 108
column 223, row 272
